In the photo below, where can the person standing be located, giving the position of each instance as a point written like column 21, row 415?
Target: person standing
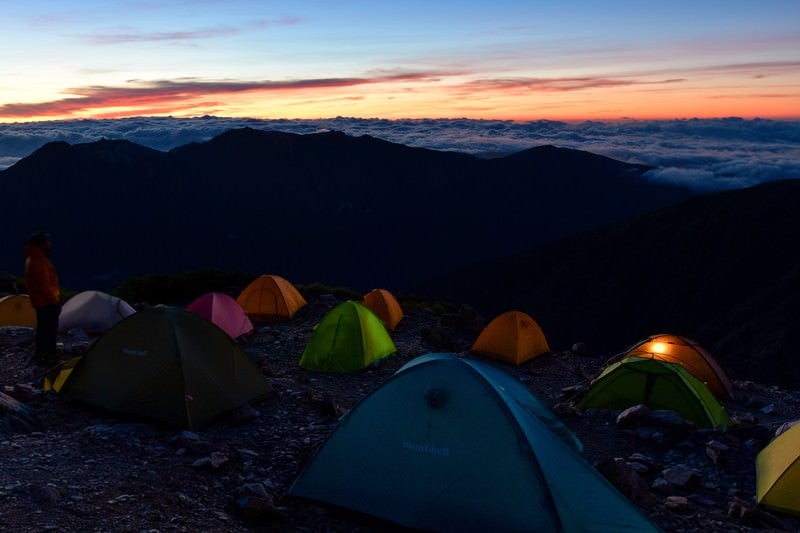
column 41, row 281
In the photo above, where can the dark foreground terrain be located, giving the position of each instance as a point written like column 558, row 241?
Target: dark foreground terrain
column 80, row 469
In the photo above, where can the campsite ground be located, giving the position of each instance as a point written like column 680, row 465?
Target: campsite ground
column 86, row 470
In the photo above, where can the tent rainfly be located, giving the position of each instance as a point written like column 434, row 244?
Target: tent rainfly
column 778, row 472
column 270, row 298
column 166, row 364
column 657, row 384
column 689, row 354
column 93, row 311
column 450, row 444
column 385, row 305
column 16, row 310
column 224, row 312
column 348, row 338
column 513, row 337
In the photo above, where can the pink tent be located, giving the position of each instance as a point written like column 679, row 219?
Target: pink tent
column 223, row 311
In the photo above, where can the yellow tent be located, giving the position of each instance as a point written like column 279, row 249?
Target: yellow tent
column 691, row 356
column 270, row 297
column 16, row 310
column 778, row 473
column 383, row 303
column 513, row 336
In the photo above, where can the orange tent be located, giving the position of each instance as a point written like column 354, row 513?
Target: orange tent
column 16, row 310
column 689, row 354
column 513, row 337
column 383, row 303
column 270, row 298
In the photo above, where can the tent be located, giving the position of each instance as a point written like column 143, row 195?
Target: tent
column 385, row 305
column 348, row 338
column 93, row 311
column 223, row 311
column 55, row 378
column 166, row 364
column 657, row 384
column 778, row 472
column 16, row 310
column 513, row 337
column 689, row 354
column 450, row 444
column 270, row 298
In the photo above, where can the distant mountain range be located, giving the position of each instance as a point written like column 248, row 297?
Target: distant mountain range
column 722, row 268
column 354, row 211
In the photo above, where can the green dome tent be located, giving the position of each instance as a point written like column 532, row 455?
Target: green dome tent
column 450, row 444
column 166, row 364
column 348, row 338
column 659, row 385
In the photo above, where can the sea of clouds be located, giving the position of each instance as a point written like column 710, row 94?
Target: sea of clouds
column 705, row 154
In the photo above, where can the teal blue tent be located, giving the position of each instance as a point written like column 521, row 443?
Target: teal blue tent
column 450, row 444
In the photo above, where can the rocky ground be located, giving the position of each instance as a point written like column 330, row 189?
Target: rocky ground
column 69, row 467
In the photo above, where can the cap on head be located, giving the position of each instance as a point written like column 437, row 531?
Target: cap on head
column 38, row 238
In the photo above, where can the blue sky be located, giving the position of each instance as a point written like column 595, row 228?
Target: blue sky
column 523, row 60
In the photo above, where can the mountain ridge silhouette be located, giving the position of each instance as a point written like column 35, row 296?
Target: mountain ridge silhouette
column 722, row 268
column 356, row 211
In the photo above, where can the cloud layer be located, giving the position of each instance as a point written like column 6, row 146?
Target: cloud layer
column 706, row 154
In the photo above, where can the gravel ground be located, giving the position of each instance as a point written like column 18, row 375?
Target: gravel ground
column 81, row 469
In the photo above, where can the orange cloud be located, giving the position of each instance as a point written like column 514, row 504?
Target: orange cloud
column 176, row 93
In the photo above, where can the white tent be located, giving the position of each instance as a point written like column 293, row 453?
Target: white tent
column 93, row 311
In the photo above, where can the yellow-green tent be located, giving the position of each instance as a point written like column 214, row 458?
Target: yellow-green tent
column 659, row 385
column 689, row 354
column 778, row 473
column 348, row 338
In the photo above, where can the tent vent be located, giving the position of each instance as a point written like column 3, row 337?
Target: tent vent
column 436, row 398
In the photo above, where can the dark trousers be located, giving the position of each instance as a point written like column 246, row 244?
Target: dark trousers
column 46, row 329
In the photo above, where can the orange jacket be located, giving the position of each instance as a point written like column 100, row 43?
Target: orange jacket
column 41, row 279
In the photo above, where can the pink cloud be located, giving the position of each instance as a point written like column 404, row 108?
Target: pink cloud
column 172, row 92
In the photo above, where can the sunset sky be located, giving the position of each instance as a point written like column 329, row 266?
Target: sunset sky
column 505, row 59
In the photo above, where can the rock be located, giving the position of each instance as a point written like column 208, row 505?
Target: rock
column 15, row 416
column 50, row 494
column 245, row 413
column 642, row 458
column 218, row 459
column 769, row 409
column 253, row 489
column 715, row 450
column 678, row 504
column 632, row 416
column 192, row 443
column 623, row 476
column 666, row 418
column 579, row 348
column 215, row 460
column 256, row 507
column 681, row 475
column 740, row 509
column 566, row 409
column 661, row 485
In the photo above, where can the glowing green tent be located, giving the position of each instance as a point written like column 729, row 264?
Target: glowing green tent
column 659, row 385
column 451, row 444
column 348, row 338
